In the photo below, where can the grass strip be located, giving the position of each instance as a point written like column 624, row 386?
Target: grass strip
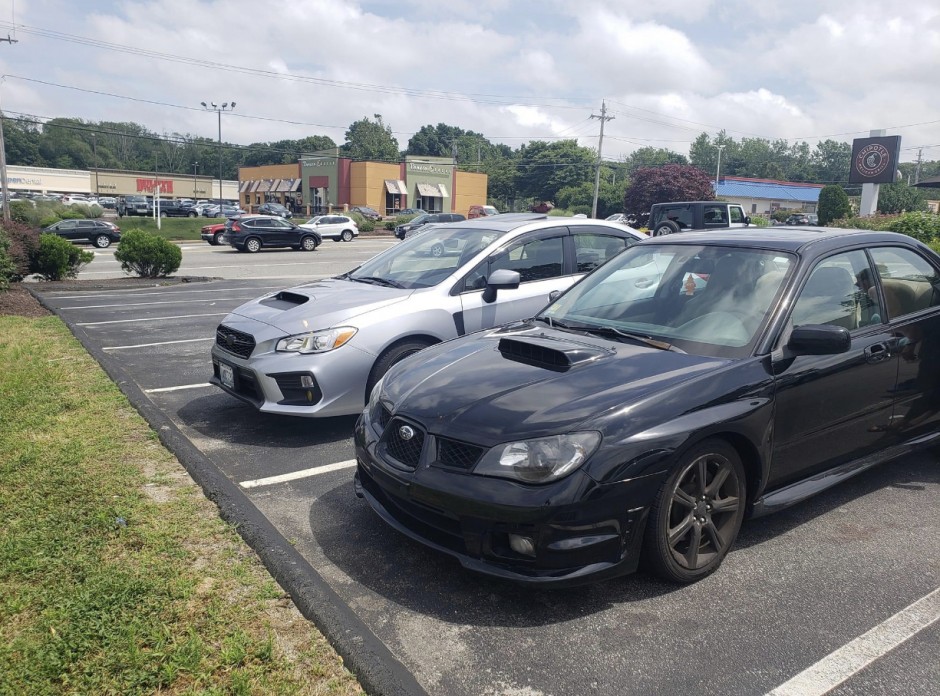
column 117, row 576
column 174, row 229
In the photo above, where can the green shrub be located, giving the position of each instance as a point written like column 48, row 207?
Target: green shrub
column 71, row 214
column 148, row 255
column 49, row 220
column 7, row 266
column 366, row 226
column 21, row 211
column 87, row 211
column 760, row 221
column 23, row 244
column 57, row 258
column 833, row 204
column 872, row 222
column 922, row 226
column 781, row 214
column 390, row 225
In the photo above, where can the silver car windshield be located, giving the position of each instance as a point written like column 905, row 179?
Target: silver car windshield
column 427, row 258
column 708, row 300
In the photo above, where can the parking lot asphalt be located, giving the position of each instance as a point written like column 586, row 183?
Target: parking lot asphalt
column 802, row 587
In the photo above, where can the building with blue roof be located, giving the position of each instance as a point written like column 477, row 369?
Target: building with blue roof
column 764, row 196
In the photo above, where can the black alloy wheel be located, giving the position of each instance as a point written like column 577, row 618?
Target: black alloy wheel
column 697, row 514
column 102, row 241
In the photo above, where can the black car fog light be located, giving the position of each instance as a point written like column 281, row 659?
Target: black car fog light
column 522, row 544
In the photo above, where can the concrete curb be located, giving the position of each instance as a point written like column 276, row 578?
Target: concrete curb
column 377, row 669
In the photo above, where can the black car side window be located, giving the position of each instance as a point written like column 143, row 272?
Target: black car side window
column 909, row 283
column 835, row 294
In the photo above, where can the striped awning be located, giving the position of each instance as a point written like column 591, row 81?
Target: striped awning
column 243, row 186
column 443, row 190
column 430, row 190
column 396, row 187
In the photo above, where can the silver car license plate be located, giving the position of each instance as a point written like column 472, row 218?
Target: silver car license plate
column 227, row 375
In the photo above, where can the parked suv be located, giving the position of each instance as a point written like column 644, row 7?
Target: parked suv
column 251, row 233
column 318, row 349
column 171, row 208
column 668, row 218
column 339, row 228
column 99, row 232
column 133, row 205
column 426, row 219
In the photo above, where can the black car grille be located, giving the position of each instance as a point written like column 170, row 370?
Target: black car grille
column 458, row 455
column 295, row 393
column 407, row 452
column 236, row 342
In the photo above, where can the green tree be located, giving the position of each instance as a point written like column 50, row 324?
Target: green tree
column 831, row 160
column 833, row 204
column 542, row 168
column 672, row 182
column 652, row 157
column 900, row 198
column 371, row 140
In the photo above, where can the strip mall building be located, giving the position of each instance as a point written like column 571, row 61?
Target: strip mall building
column 328, row 182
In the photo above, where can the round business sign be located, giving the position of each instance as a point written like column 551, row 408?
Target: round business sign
column 872, row 160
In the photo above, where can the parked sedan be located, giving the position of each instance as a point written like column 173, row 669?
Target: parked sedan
column 339, row 228
column 367, row 212
column 101, row 233
column 607, row 430
column 252, row 233
column 317, row 350
column 272, row 208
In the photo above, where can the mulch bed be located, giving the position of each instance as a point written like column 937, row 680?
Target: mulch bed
column 18, row 301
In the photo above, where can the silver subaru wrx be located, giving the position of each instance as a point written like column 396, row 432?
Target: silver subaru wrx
column 318, row 349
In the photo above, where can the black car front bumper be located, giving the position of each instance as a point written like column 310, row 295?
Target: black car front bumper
column 580, row 531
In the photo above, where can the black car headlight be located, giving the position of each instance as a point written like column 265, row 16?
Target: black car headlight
column 539, row 460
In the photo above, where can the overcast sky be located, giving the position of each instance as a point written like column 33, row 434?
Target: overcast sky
column 513, row 70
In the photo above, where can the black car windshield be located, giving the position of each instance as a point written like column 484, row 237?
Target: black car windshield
column 706, row 299
column 428, row 257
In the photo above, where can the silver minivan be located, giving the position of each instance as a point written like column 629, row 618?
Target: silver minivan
column 317, row 349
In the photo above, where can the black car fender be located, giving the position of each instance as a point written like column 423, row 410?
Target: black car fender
column 745, row 423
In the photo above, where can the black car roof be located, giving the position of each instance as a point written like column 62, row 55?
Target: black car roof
column 791, row 239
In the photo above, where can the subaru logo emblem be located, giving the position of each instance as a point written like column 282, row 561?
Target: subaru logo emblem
column 230, row 340
column 406, row 432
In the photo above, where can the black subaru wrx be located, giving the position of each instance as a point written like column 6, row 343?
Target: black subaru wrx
column 689, row 382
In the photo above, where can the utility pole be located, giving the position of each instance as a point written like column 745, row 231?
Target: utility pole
column 920, row 154
column 4, row 188
column 718, row 166
column 600, row 145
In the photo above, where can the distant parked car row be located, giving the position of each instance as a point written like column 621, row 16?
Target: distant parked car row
column 254, row 232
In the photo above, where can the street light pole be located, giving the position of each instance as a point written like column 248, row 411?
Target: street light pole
column 212, row 106
column 94, row 146
column 718, row 168
column 195, row 167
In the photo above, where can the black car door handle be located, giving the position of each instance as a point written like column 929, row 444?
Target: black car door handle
column 877, row 352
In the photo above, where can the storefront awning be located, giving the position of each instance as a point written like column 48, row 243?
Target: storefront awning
column 443, row 190
column 396, row 187
column 295, row 185
column 243, row 186
column 283, row 185
column 265, row 185
column 430, row 190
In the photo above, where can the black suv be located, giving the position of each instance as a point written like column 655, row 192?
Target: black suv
column 427, row 219
column 272, row 208
column 99, row 232
column 171, row 208
column 668, row 218
column 252, row 232
column 133, row 205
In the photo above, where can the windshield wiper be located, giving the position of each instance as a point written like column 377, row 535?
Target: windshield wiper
column 645, row 340
column 378, row 281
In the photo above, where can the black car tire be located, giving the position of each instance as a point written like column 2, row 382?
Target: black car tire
column 102, row 241
column 665, row 227
column 697, row 513
column 162, row 214
column 192, row 213
column 347, row 235
column 309, row 243
column 216, row 239
column 252, row 245
column 392, row 355
column 437, row 250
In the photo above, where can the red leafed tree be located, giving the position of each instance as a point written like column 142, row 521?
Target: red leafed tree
column 670, row 182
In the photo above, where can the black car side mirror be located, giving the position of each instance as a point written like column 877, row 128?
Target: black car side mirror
column 818, row 339
column 747, row 220
column 502, row 279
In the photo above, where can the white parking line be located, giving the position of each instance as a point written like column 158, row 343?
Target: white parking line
column 305, row 473
column 180, row 388
column 162, row 343
column 838, row 666
column 211, row 300
column 158, row 291
column 127, row 321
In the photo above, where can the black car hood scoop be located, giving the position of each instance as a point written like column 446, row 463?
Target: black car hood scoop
column 548, row 353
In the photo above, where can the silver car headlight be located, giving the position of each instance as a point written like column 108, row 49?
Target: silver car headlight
column 539, row 460
column 316, row 341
